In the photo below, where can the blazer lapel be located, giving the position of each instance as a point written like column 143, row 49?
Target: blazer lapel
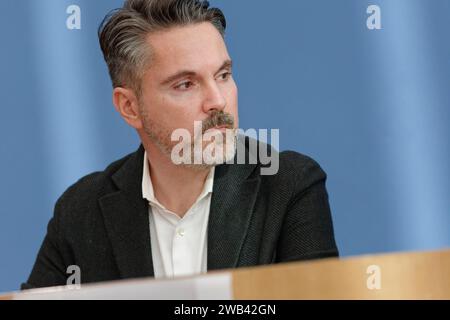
column 127, row 220
column 231, row 210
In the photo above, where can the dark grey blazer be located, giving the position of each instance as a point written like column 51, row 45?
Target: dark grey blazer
column 101, row 223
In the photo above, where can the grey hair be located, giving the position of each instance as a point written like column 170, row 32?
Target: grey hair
column 123, row 33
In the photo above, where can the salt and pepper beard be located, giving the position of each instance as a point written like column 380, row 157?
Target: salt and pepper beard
column 162, row 138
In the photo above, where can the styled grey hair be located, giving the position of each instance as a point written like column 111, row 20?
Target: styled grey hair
column 123, row 32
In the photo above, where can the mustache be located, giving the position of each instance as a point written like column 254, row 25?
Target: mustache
column 218, row 118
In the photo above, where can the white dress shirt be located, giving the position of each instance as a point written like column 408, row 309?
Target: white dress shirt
column 179, row 245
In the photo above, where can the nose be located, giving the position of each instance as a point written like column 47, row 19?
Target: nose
column 214, row 99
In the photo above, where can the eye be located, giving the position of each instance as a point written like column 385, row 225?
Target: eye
column 184, row 85
column 225, row 76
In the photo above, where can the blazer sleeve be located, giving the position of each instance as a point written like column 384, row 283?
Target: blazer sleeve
column 307, row 231
column 49, row 269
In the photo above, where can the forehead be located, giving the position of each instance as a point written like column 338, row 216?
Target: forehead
column 195, row 47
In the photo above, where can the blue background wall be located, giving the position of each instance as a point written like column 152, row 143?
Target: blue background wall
column 371, row 106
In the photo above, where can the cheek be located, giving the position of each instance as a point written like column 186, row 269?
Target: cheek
column 185, row 109
column 173, row 112
column 232, row 101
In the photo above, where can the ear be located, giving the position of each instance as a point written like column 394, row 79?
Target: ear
column 126, row 103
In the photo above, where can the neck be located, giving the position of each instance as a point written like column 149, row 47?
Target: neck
column 176, row 187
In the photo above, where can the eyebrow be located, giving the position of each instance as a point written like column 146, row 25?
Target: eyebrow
column 227, row 64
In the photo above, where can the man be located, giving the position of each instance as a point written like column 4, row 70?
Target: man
column 152, row 215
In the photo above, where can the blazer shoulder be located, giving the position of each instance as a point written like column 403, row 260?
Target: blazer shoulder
column 290, row 165
column 298, row 161
column 300, row 167
column 83, row 194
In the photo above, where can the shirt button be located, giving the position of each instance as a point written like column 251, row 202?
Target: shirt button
column 181, row 232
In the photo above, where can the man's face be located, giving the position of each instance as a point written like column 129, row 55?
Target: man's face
column 189, row 80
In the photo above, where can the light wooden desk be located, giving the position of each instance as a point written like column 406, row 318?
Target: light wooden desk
column 415, row 275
